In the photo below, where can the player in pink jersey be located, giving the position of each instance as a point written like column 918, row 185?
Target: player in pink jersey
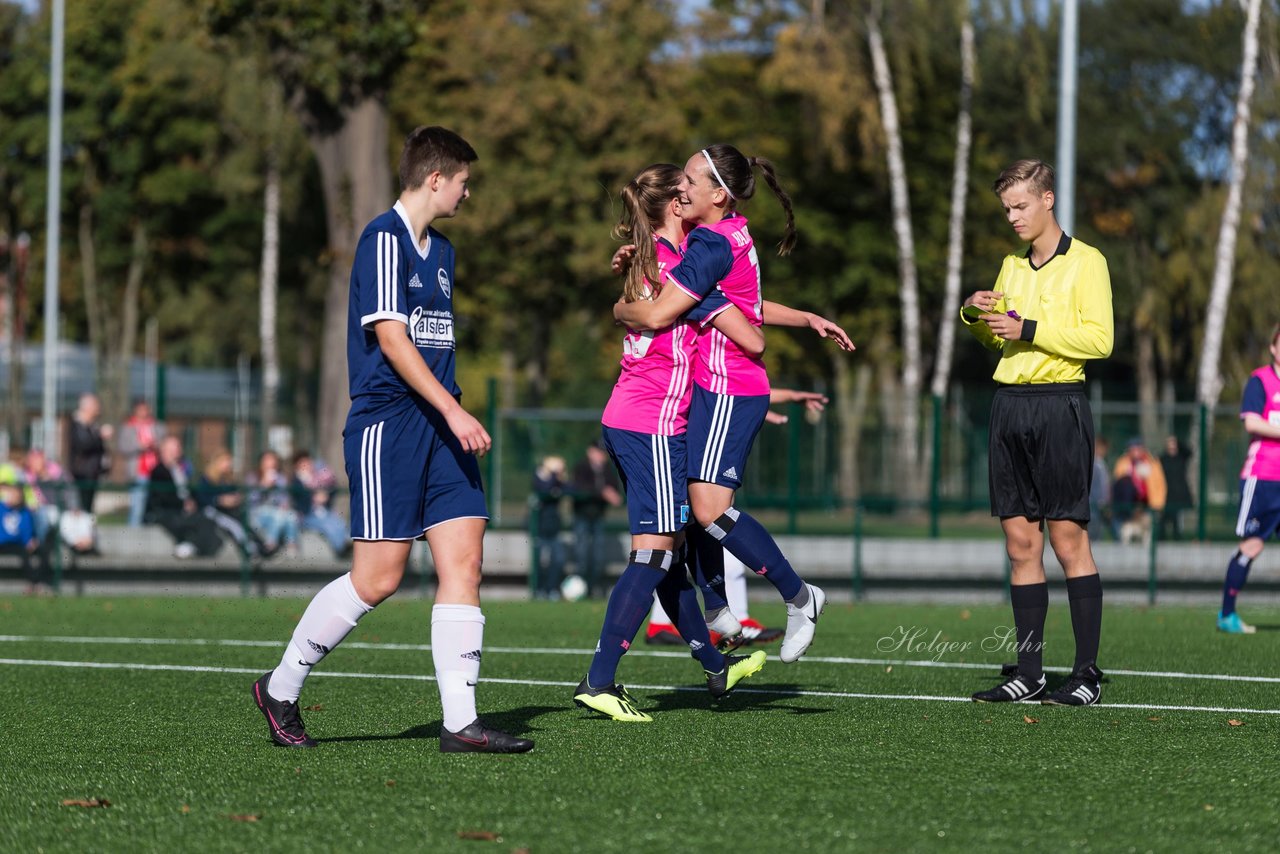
column 720, row 267
column 1259, row 483
column 644, row 432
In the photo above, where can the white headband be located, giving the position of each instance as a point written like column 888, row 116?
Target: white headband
column 716, row 172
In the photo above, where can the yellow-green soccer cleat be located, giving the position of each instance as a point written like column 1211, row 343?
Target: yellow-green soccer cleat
column 612, row 700
column 736, row 668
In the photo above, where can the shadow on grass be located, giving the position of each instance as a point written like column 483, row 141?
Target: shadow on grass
column 511, row 721
column 766, row 698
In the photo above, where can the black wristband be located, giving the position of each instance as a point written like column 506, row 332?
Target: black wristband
column 1028, row 330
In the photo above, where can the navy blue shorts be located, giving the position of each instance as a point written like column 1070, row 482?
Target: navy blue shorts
column 409, row 473
column 722, row 429
column 1259, row 508
column 652, row 471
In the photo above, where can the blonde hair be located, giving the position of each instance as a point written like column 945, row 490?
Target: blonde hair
column 1037, row 174
column 644, row 200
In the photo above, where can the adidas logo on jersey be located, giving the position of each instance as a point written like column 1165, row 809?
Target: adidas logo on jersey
column 474, row 655
column 415, row 282
column 731, row 472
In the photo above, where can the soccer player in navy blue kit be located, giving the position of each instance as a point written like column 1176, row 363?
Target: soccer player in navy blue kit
column 410, row 453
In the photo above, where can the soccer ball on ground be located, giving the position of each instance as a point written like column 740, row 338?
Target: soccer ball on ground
column 573, row 588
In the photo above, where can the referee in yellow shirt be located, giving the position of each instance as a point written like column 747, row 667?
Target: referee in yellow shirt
column 1049, row 312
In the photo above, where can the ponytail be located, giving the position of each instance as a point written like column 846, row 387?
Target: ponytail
column 643, row 200
column 789, row 235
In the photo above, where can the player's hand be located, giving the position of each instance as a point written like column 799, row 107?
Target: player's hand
column 622, row 258
column 772, row 417
column 829, row 329
column 1004, row 326
column 469, row 432
column 985, row 300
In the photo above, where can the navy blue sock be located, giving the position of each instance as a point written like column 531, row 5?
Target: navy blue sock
column 629, row 604
column 1237, row 574
column 680, row 600
column 748, row 541
column 706, row 563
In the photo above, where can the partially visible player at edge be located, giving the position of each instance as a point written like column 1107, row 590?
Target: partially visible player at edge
column 644, row 427
column 1259, row 483
column 410, row 452
column 731, row 387
column 1049, row 313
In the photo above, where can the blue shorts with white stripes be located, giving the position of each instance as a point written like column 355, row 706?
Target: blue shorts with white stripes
column 409, row 473
column 722, row 429
column 652, row 471
column 1259, row 508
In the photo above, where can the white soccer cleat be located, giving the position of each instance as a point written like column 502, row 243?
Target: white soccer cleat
column 728, row 627
column 801, row 625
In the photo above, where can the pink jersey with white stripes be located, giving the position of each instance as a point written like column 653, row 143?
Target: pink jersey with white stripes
column 654, row 389
column 1263, row 458
column 720, row 260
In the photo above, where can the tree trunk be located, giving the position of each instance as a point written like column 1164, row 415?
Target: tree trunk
column 852, row 391
column 1148, row 384
column 907, row 455
column 267, row 300
column 89, row 281
column 1209, row 380
column 356, row 177
column 117, row 373
column 955, row 230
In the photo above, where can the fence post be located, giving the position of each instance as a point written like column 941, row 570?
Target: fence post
column 793, row 466
column 935, row 468
column 1151, row 558
column 162, row 392
column 1203, row 475
column 534, row 512
column 857, row 550
column 491, row 423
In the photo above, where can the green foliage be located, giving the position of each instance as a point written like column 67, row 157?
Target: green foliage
column 171, row 109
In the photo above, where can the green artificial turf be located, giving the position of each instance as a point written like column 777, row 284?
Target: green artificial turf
column 795, row 760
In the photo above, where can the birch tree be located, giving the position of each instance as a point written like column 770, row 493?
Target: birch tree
column 1209, row 380
column 909, row 423
column 955, row 229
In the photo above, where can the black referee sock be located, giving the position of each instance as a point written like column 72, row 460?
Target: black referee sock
column 1085, row 596
column 1030, row 605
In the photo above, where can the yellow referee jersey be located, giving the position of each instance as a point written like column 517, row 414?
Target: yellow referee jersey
column 1066, row 309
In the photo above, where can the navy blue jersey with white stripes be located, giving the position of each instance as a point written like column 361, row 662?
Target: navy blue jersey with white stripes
column 394, row 279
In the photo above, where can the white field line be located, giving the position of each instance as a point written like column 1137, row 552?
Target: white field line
column 417, row 677
column 521, row 650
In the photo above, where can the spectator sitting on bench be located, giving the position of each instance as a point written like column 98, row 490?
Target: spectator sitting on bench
column 312, row 488
column 18, row 531
column 171, row 505
column 55, row 505
column 270, row 509
column 221, row 500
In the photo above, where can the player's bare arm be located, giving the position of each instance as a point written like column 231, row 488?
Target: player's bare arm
column 405, row 359
column 777, row 314
column 735, row 326
column 1256, row 425
column 654, row 314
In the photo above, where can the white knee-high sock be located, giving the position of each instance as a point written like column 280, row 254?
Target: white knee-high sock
column 457, row 638
column 330, row 617
column 735, row 585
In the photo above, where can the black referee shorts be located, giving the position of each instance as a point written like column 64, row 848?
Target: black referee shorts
column 1041, row 451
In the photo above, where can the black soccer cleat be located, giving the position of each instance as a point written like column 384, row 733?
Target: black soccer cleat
column 1016, row 689
column 283, row 717
column 736, row 668
column 1082, row 688
column 478, row 738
